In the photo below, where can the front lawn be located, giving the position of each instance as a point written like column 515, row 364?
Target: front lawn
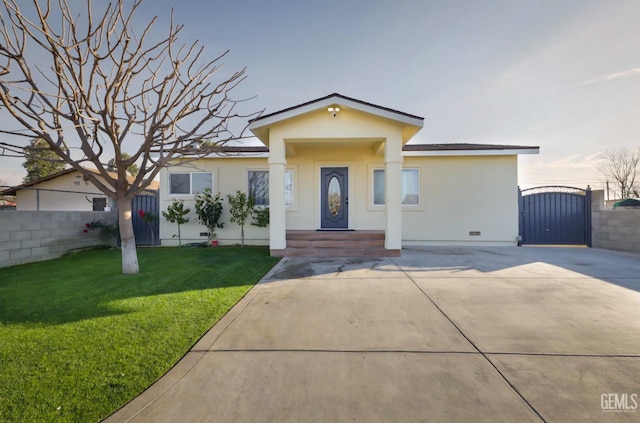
column 78, row 339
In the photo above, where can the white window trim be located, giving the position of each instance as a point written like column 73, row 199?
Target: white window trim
column 191, row 193
column 404, row 206
column 293, row 185
column 249, row 184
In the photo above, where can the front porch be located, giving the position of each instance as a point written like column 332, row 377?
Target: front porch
column 335, row 244
column 332, row 157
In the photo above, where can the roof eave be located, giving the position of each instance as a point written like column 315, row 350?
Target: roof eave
column 472, row 152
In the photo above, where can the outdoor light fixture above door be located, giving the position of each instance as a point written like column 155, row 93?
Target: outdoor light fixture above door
column 333, row 110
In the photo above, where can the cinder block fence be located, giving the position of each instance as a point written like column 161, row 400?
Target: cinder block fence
column 27, row 236
column 615, row 229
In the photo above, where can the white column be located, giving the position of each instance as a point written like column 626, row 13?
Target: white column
column 393, row 192
column 277, row 208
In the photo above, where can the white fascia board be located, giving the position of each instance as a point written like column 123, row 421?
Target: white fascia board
column 441, row 153
column 398, row 117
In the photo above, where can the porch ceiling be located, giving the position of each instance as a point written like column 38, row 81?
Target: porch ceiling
column 293, row 144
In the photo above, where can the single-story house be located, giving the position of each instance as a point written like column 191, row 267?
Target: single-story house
column 342, row 167
column 67, row 190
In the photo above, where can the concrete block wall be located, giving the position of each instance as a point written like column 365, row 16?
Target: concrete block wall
column 27, row 236
column 614, row 229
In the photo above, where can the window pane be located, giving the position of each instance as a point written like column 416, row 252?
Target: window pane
column 200, row 181
column 288, row 188
column 99, row 203
column 259, row 187
column 334, row 196
column 179, row 183
column 410, row 187
column 378, row 187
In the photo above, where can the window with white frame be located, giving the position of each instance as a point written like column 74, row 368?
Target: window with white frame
column 258, row 187
column 410, row 187
column 288, row 188
column 189, row 183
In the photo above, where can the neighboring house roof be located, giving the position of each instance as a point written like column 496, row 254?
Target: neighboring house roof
column 260, row 125
column 13, row 191
column 629, row 202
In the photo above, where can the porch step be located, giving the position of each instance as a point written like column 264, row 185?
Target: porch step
column 335, row 244
column 335, row 252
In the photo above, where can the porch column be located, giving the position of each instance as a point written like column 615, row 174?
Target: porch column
column 393, row 192
column 277, row 208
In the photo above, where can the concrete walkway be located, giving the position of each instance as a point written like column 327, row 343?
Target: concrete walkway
column 438, row 335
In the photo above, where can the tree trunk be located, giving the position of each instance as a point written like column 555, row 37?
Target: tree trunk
column 127, row 238
column 242, row 236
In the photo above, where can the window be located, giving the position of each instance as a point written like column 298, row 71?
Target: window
column 259, row 187
column 410, row 187
column 288, row 188
column 99, row 203
column 378, row 187
column 189, row 183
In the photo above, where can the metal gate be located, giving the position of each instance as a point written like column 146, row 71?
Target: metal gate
column 555, row 215
column 146, row 233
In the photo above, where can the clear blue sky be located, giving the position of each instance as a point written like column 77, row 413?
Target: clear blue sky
column 564, row 75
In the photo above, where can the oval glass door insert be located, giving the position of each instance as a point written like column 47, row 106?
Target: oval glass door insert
column 333, row 196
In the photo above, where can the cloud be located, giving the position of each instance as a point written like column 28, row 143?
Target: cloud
column 611, row 76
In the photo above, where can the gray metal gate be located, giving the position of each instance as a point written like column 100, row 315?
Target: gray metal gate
column 555, row 215
column 146, row 233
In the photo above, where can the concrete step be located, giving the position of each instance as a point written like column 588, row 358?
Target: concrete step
column 336, row 244
column 333, row 243
column 334, row 235
column 335, row 252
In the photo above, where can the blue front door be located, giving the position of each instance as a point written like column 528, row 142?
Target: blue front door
column 334, row 185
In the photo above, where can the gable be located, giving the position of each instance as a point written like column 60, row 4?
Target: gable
column 318, row 119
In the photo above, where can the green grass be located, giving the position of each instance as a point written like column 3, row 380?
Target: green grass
column 78, row 339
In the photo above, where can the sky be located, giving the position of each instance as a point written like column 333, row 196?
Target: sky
column 560, row 74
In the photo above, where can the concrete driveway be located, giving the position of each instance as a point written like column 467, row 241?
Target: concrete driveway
column 438, row 335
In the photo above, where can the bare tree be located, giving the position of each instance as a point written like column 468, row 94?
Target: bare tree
column 621, row 170
column 91, row 87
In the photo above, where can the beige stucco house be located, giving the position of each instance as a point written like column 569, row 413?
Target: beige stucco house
column 337, row 165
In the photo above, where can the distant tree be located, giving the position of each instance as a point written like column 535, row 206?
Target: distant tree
column 40, row 161
column 621, row 170
column 92, row 79
column 132, row 168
